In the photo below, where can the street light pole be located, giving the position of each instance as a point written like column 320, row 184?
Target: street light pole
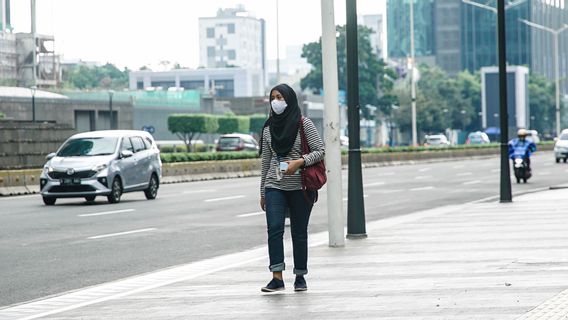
column 110, row 94
column 555, row 33
column 412, row 80
column 277, row 45
column 505, row 190
column 33, row 89
column 355, row 201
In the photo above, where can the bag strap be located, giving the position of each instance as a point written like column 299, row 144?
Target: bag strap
column 303, row 139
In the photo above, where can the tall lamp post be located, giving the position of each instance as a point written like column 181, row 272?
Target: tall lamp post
column 412, row 80
column 33, row 89
column 555, row 33
column 111, row 118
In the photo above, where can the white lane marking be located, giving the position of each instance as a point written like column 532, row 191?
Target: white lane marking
column 422, row 177
column 544, row 173
column 199, row 191
column 458, row 166
column 386, row 174
column 422, row 188
column 225, row 198
column 364, row 196
column 471, row 182
column 380, row 183
column 424, row 169
column 390, row 191
column 250, row 214
column 121, row 233
column 463, row 174
column 105, row 213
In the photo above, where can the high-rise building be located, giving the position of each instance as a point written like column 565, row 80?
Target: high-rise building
column 232, row 38
column 479, row 34
column 398, row 20
column 447, row 35
column 377, row 23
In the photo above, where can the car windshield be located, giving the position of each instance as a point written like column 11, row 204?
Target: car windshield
column 564, row 136
column 229, row 142
column 88, row 147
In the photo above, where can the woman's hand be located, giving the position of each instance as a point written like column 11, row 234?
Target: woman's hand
column 293, row 166
column 262, row 203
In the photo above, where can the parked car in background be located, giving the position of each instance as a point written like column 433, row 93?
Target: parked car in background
column 236, row 142
column 436, row 140
column 561, row 146
column 477, row 137
column 533, row 135
column 102, row 163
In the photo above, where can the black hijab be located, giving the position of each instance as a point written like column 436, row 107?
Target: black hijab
column 283, row 127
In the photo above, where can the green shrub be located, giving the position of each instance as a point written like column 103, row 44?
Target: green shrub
column 2, row 115
column 206, row 156
column 256, row 123
column 233, row 124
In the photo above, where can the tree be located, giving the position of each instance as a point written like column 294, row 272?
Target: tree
column 257, row 123
column 190, row 126
column 542, row 104
column 232, row 124
column 442, row 101
column 2, row 115
column 374, row 87
column 103, row 77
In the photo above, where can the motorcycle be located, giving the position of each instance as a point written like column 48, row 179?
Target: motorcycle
column 521, row 168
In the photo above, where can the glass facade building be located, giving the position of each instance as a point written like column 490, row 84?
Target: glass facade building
column 398, row 21
column 479, row 35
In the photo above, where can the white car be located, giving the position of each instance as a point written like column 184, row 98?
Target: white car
column 436, row 140
column 561, row 146
column 533, row 136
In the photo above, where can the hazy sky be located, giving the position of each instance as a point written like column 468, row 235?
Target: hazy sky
column 134, row 33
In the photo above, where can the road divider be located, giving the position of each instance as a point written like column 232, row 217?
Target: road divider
column 17, row 182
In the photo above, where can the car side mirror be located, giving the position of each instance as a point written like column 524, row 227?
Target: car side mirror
column 126, row 154
column 50, row 156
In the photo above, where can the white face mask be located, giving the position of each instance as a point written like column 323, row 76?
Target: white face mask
column 278, row 106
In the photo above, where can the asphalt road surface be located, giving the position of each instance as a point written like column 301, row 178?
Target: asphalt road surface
column 74, row 244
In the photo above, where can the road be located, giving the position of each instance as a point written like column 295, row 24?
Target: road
column 50, row 250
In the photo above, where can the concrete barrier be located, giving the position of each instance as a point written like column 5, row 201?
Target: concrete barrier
column 15, row 182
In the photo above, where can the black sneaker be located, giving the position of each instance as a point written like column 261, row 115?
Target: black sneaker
column 273, row 285
column 300, row 284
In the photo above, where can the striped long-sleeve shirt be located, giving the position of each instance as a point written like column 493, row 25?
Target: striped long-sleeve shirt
column 270, row 160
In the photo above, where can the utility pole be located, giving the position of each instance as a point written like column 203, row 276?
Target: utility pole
column 34, row 36
column 412, row 80
column 355, row 201
column 505, row 190
column 335, row 217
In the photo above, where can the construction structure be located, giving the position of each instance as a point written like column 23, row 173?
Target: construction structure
column 27, row 59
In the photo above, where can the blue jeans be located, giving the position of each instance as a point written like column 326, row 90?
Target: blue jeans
column 277, row 201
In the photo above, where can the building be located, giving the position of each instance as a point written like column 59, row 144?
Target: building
column 552, row 14
column 398, row 21
column 447, row 29
column 377, row 23
column 232, row 38
column 8, row 61
column 219, row 82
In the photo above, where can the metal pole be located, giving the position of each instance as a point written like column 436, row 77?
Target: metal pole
column 505, row 189
column 34, row 36
column 557, row 83
column 335, row 216
column 277, row 45
column 355, row 203
column 412, row 82
column 110, row 110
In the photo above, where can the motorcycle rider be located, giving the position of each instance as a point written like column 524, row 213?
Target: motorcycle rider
column 522, row 146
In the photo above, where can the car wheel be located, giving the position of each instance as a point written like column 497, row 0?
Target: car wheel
column 116, row 191
column 49, row 201
column 557, row 160
column 518, row 180
column 524, row 180
column 564, row 160
column 152, row 190
column 90, row 198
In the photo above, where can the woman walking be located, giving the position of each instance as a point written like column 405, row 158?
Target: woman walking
column 281, row 183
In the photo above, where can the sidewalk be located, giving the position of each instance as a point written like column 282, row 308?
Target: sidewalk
column 475, row 261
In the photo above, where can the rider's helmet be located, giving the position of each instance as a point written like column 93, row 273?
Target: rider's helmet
column 522, row 133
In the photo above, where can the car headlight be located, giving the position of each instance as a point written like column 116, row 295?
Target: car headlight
column 100, row 167
column 47, row 169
